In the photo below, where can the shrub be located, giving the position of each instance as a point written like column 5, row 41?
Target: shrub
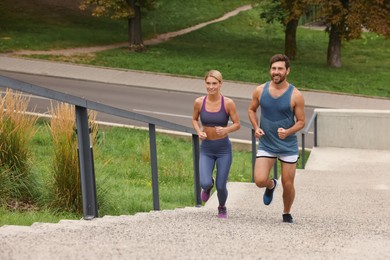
column 65, row 184
column 16, row 131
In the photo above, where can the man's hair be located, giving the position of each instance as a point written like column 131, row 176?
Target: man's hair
column 279, row 57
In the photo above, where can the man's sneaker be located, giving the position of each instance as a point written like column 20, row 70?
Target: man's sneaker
column 269, row 193
column 222, row 212
column 287, row 218
column 205, row 195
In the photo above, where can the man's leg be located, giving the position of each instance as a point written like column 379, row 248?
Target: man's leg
column 288, row 176
column 263, row 166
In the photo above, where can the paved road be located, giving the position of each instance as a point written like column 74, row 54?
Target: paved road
column 175, row 83
column 167, row 105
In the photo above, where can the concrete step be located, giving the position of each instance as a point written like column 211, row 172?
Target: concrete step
column 340, row 211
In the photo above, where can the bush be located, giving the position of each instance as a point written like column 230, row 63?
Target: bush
column 65, row 183
column 16, row 130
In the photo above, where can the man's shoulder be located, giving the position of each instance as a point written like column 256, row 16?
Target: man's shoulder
column 261, row 86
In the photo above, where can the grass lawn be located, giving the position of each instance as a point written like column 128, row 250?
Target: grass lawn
column 239, row 47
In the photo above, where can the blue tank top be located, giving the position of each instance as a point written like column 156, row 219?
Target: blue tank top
column 276, row 113
column 219, row 118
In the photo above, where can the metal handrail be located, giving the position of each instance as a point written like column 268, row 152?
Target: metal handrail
column 305, row 131
column 87, row 172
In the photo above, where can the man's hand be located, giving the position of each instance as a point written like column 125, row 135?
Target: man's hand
column 282, row 133
column 259, row 133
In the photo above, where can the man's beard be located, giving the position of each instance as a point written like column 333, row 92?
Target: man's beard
column 281, row 78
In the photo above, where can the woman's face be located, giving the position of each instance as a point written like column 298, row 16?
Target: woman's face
column 212, row 85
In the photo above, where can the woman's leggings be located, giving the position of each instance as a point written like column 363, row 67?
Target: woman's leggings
column 215, row 152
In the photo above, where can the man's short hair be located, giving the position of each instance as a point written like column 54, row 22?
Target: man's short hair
column 279, row 57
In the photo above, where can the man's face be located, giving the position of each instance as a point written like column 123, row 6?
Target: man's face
column 278, row 72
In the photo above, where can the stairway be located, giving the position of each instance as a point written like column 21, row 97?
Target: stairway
column 341, row 212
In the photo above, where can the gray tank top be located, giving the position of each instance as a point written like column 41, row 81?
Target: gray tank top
column 276, row 113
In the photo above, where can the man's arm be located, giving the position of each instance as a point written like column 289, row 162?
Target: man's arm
column 252, row 111
column 299, row 112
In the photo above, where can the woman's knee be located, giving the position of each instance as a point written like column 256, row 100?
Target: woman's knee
column 206, row 183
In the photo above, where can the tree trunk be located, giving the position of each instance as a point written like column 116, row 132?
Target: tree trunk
column 290, row 39
column 334, row 48
column 134, row 29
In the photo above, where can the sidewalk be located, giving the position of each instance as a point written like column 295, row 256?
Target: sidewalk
column 175, row 83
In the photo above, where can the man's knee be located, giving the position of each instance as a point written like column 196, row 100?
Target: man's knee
column 288, row 185
column 261, row 182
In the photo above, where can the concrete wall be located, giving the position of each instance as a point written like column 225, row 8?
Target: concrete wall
column 353, row 128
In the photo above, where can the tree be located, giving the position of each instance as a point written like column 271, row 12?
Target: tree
column 347, row 19
column 123, row 9
column 344, row 19
column 288, row 13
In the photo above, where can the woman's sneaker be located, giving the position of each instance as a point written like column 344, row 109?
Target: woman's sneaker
column 222, row 212
column 269, row 193
column 205, row 195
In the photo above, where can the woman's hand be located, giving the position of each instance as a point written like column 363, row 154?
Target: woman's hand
column 221, row 131
column 202, row 136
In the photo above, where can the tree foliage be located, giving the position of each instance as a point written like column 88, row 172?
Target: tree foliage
column 122, row 9
column 346, row 20
column 115, row 9
column 287, row 13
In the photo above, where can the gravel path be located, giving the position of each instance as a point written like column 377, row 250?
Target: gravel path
column 341, row 212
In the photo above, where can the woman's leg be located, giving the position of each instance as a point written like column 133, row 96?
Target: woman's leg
column 224, row 162
column 206, row 168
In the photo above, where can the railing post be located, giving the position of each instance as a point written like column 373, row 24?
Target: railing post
column 195, row 154
column 303, row 151
column 276, row 169
column 315, row 131
column 87, row 171
column 253, row 153
column 153, row 163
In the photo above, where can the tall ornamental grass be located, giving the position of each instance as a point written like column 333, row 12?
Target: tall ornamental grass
column 17, row 184
column 65, row 183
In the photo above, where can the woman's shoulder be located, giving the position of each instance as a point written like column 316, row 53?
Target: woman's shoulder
column 199, row 99
column 199, row 102
column 228, row 101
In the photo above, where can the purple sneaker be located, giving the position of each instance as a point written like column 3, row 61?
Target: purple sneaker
column 205, row 195
column 222, row 212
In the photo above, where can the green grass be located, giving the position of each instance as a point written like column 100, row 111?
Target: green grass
column 242, row 55
column 26, row 218
column 240, row 47
column 123, row 174
column 42, row 25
